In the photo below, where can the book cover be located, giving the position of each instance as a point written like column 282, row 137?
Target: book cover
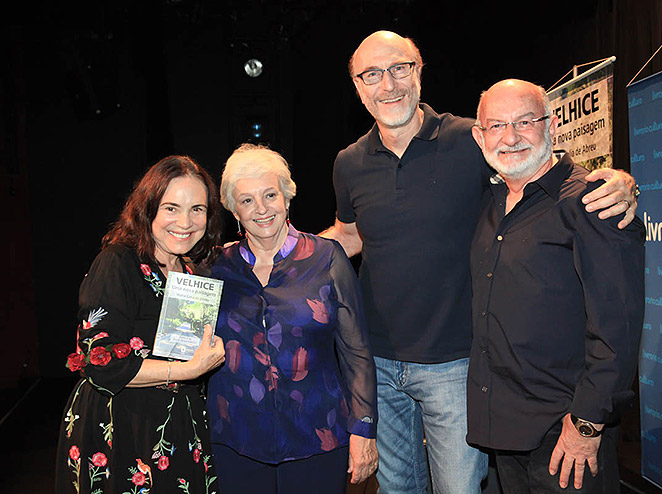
column 189, row 303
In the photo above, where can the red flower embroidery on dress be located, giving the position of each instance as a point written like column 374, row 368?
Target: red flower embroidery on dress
column 121, row 350
column 196, row 455
column 153, row 279
column 163, row 463
column 74, row 453
column 138, row 478
column 100, row 356
column 76, row 361
column 99, row 459
column 136, row 343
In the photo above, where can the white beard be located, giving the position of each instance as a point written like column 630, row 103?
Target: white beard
column 524, row 168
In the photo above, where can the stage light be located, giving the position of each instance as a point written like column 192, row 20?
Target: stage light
column 253, row 67
column 256, row 130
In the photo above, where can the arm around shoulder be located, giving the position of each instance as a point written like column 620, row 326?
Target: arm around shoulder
column 617, row 195
column 347, row 234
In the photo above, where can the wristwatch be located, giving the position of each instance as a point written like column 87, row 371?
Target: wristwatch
column 585, row 428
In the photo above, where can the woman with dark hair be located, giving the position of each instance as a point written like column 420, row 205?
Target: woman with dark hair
column 135, row 423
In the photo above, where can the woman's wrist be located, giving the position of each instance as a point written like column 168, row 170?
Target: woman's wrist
column 181, row 371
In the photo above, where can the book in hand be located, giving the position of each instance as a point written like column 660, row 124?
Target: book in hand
column 189, row 303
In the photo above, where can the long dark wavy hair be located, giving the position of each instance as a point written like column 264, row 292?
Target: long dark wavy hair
column 133, row 228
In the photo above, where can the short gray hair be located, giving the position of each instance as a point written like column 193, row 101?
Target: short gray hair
column 253, row 161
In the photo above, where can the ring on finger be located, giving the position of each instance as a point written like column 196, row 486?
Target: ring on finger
column 627, row 202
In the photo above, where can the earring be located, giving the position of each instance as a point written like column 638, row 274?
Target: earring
column 239, row 232
column 288, row 216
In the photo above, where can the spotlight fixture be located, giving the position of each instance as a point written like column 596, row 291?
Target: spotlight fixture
column 253, row 67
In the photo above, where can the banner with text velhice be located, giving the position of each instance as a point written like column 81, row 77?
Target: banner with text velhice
column 584, row 109
column 645, row 112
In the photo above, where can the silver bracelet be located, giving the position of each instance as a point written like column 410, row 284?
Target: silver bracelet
column 168, row 378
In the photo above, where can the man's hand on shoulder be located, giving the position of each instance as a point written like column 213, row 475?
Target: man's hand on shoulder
column 347, row 234
column 573, row 449
column 617, row 195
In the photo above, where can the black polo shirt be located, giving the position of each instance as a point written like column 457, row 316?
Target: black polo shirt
column 417, row 217
column 558, row 311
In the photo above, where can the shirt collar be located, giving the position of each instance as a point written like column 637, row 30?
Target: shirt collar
column 551, row 181
column 290, row 242
column 428, row 131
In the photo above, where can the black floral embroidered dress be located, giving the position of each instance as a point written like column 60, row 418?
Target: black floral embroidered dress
column 115, row 439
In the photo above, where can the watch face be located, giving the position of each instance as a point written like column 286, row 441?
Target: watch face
column 585, row 430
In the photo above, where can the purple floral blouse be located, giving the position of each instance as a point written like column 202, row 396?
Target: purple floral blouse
column 299, row 376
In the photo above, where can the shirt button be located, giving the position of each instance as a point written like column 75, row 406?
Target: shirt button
column 484, row 389
column 399, row 165
column 484, row 313
column 489, row 275
column 483, row 351
column 499, row 238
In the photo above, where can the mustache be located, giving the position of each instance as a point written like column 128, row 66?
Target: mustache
column 517, row 147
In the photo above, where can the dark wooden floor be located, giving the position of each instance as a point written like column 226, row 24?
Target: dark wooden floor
column 31, row 415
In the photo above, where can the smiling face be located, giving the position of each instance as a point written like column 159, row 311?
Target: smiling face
column 181, row 219
column 515, row 154
column 261, row 208
column 392, row 102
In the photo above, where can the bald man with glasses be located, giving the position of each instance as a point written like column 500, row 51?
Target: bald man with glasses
column 408, row 196
column 558, row 305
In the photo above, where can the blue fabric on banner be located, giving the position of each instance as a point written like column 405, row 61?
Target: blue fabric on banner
column 645, row 112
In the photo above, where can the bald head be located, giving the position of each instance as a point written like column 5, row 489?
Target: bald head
column 513, row 88
column 381, row 43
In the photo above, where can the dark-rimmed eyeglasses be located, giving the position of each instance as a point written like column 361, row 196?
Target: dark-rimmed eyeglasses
column 397, row 71
column 498, row 128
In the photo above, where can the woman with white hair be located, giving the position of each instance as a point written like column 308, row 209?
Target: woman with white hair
column 294, row 408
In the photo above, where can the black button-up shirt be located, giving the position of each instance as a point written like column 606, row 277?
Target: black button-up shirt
column 558, row 301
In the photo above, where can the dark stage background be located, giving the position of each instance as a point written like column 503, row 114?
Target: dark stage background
column 92, row 93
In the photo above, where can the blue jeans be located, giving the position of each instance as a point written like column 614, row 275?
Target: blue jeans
column 413, row 398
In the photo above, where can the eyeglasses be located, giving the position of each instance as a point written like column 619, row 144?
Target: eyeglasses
column 498, row 128
column 397, row 71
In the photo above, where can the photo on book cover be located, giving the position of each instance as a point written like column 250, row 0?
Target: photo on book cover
column 189, row 303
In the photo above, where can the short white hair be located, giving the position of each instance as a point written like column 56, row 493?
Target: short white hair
column 253, row 161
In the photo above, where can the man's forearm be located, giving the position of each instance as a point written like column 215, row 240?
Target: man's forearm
column 347, row 235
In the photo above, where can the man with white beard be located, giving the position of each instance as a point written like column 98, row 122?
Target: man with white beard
column 558, row 301
column 408, row 196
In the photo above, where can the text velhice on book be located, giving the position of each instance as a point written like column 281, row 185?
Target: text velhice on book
column 189, row 303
